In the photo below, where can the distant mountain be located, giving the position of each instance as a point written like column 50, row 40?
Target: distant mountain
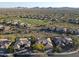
column 54, row 11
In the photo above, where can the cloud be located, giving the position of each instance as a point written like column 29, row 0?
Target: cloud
column 74, row 1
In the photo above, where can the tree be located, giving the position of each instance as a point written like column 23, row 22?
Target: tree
column 10, row 49
column 39, row 47
column 76, row 42
column 57, row 49
column 32, row 39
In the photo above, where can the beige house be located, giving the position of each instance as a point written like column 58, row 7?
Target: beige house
column 4, row 43
column 21, row 43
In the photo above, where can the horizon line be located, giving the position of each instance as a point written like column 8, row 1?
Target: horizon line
column 38, row 7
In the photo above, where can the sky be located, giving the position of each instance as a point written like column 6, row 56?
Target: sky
column 54, row 3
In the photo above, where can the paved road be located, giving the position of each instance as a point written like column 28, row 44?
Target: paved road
column 69, row 55
column 66, row 54
column 24, row 52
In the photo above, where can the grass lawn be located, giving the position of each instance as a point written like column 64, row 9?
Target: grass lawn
column 34, row 21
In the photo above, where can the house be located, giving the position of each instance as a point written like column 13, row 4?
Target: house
column 64, row 30
column 76, row 31
column 22, row 24
column 70, row 31
column 49, row 40
column 75, row 21
column 53, row 29
column 1, row 27
column 71, row 20
column 15, row 22
column 56, row 41
column 7, row 28
column 22, row 43
column 61, row 41
column 59, row 30
column 8, row 22
column 68, row 40
column 4, row 43
column 45, row 29
column 47, row 43
column 48, row 46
